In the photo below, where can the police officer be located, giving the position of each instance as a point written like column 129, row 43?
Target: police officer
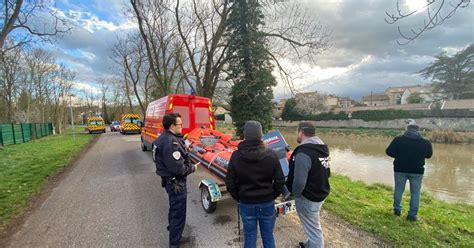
column 173, row 165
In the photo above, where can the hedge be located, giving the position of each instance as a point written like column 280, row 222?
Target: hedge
column 386, row 114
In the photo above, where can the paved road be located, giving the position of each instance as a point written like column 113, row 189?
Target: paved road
column 113, row 198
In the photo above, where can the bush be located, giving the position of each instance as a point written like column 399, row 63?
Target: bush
column 381, row 115
column 289, row 112
column 376, row 115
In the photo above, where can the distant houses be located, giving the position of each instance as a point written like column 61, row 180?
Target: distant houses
column 376, row 99
column 401, row 95
column 416, row 97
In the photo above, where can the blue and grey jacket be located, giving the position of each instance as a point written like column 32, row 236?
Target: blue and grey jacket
column 309, row 170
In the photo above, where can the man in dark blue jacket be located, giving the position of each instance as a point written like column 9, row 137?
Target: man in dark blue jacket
column 173, row 165
column 409, row 151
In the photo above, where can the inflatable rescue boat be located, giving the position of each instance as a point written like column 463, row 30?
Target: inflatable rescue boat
column 213, row 149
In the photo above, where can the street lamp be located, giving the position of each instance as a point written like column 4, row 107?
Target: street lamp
column 72, row 116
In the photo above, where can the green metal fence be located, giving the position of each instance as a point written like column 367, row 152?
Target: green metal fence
column 11, row 134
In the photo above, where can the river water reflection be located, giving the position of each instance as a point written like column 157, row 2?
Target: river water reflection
column 449, row 174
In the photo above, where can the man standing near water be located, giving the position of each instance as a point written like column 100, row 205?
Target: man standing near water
column 409, row 151
column 308, row 181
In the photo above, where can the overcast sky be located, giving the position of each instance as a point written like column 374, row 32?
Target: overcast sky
column 363, row 56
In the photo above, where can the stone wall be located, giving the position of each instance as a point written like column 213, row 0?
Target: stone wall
column 460, row 124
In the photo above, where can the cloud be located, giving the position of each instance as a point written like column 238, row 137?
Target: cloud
column 364, row 56
column 86, row 88
column 87, row 48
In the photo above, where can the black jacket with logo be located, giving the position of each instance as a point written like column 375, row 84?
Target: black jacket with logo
column 317, row 184
column 254, row 174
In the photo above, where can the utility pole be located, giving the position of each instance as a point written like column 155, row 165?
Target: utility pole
column 371, row 104
column 72, row 117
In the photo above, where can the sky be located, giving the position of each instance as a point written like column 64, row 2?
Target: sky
column 363, row 56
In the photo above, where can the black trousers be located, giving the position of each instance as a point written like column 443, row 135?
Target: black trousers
column 176, row 213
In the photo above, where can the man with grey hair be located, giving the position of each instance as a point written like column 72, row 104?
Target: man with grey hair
column 409, row 151
column 308, row 181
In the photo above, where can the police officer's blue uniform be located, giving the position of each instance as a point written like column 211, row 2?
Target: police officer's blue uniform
column 173, row 165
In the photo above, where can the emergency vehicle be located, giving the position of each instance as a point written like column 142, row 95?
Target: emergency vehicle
column 195, row 111
column 208, row 147
column 95, row 125
column 130, row 123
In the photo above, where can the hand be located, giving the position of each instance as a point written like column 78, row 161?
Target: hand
column 196, row 165
column 187, row 143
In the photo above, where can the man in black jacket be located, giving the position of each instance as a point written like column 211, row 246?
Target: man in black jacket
column 254, row 179
column 308, row 181
column 409, row 151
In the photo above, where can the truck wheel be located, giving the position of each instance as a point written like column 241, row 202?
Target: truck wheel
column 207, row 204
column 144, row 148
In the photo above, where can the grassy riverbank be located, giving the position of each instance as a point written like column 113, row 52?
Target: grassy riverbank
column 369, row 207
column 24, row 168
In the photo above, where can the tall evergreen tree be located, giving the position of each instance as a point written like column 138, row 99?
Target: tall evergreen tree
column 249, row 66
column 453, row 75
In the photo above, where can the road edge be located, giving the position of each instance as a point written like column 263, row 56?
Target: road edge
column 51, row 182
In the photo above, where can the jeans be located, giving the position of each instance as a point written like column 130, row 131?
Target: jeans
column 308, row 212
column 264, row 215
column 415, row 181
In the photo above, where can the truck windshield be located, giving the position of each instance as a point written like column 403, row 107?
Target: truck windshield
column 131, row 120
column 96, row 123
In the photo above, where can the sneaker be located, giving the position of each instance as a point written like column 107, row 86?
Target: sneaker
column 397, row 212
column 412, row 218
column 301, row 245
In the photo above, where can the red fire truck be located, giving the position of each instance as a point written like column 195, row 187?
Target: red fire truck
column 195, row 112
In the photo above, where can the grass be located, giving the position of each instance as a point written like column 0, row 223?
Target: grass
column 370, row 208
column 25, row 167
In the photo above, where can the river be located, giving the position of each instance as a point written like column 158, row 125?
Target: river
column 449, row 174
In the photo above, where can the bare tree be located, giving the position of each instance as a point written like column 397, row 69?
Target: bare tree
column 293, row 34
column 41, row 71
column 10, row 77
column 61, row 89
column 310, row 103
column 159, row 35
column 36, row 19
column 130, row 55
column 201, row 27
column 437, row 12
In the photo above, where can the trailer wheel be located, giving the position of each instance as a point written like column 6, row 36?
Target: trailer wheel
column 207, row 204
